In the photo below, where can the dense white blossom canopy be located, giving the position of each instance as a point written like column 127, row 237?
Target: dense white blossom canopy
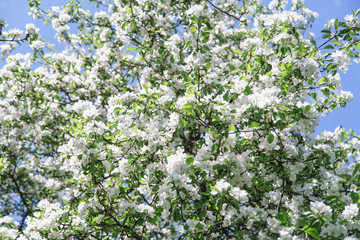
column 177, row 119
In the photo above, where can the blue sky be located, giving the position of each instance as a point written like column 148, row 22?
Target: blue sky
column 15, row 13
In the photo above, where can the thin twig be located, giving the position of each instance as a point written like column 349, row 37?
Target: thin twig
column 18, row 41
column 226, row 12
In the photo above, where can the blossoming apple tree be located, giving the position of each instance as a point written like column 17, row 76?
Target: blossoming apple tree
column 177, row 119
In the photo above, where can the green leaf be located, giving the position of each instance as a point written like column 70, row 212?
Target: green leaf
column 217, row 166
column 78, row 125
column 236, row 70
column 292, row 89
column 237, row 51
column 198, row 205
column 282, row 217
column 255, row 124
column 270, row 138
column 182, row 123
column 206, row 48
column 188, row 44
column 247, row 90
column 135, row 107
column 176, row 214
column 354, row 197
column 187, row 105
column 328, row 47
column 282, row 115
column 313, row 232
column 335, row 42
column 220, row 87
column 326, row 31
column 189, row 160
column 107, row 137
column 128, row 10
column 342, row 24
column 326, row 92
column 199, row 226
column 351, row 54
column 336, row 24
column 208, row 65
column 325, row 36
column 146, row 87
column 357, row 168
column 307, row 108
column 284, row 87
column 124, row 25
column 302, row 222
column 214, row 188
column 232, row 128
